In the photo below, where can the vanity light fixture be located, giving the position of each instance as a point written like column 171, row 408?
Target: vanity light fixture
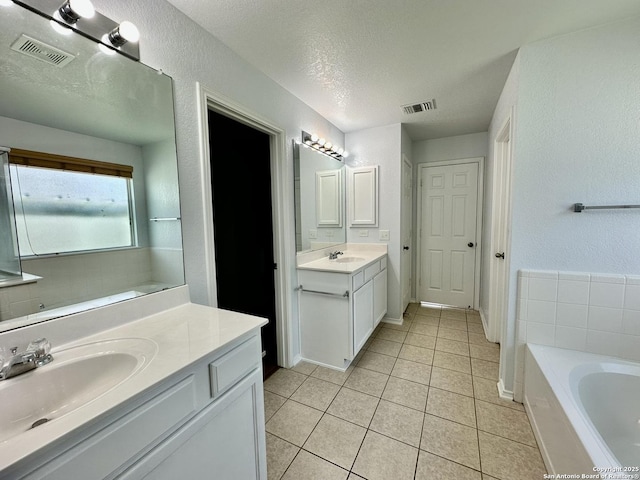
column 324, row 146
column 80, row 16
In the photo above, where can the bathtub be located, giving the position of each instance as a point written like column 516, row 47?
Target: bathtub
column 585, row 412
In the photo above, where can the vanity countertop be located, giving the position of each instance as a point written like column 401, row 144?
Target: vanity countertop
column 183, row 335
column 364, row 256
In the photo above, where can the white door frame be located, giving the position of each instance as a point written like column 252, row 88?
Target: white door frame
column 209, row 100
column 500, row 231
column 444, row 163
column 407, row 276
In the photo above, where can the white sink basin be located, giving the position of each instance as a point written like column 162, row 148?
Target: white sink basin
column 77, row 376
column 349, row 259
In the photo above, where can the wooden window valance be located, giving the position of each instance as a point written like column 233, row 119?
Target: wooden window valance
column 61, row 162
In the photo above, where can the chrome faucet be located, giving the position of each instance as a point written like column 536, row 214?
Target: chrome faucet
column 334, row 255
column 36, row 355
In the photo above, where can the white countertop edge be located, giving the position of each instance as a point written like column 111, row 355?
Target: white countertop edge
column 372, row 254
column 184, row 335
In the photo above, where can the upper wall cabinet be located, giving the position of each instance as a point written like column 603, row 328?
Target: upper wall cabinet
column 363, row 196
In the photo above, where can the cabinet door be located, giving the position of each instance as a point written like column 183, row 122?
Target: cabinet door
column 363, row 196
column 226, row 441
column 379, row 296
column 362, row 315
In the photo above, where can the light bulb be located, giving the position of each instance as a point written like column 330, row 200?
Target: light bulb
column 73, row 10
column 335, row 148
column 123, row 33
column 340, row 151
column 345, row 154
column 84, row 8
column 129, row 31
column 328, row 145
column 5, row 3
column 322, row 141
column 314, row 137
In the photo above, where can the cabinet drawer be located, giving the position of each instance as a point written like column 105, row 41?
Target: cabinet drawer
column 371, row 271
column 358, row 280
column 232, row 366
column 383, row 263
column 101, row 454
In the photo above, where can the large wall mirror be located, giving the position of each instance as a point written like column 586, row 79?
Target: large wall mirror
column 319, row 200
column 93, row 174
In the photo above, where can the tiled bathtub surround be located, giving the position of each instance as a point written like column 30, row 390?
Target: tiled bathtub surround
column 594, row 313
column 420, row 403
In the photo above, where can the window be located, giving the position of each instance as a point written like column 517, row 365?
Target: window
column 88, row 210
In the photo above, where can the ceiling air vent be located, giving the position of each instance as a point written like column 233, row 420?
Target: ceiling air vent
column 37, row 49
column 419, row 107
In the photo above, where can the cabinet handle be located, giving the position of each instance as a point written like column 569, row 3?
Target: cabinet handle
column 317, row 292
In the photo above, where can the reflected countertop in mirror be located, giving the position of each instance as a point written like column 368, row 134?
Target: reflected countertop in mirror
column 102, row 108
column 319, row 200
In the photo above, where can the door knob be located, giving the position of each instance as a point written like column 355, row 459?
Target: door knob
column 406, row 247
column 470, row 244
column 500, row 255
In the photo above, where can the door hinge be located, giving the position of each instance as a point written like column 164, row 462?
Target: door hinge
column 275, row 266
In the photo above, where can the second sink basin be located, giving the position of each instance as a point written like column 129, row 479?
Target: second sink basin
column 77, row 376
column 349, row 259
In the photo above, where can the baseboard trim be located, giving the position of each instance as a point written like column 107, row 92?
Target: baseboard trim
column 394, row 321
column 326, row 365
column 503, row 392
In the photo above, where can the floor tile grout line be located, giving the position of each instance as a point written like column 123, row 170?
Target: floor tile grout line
column 379, row 398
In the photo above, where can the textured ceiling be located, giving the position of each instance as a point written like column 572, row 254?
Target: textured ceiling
column 357, row 61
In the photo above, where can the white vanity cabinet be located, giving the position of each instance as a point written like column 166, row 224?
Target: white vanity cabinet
column 204, row 421
column 339, row 310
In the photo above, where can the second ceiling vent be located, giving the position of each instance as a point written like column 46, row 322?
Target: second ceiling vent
column 419, row 107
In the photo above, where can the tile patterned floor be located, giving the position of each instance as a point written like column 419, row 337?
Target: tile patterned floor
column 420, row 402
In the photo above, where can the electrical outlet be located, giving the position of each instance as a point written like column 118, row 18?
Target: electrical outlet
column 384, row 235
column 364, row 233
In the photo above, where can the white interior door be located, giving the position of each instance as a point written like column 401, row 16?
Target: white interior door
column 449, row 196
column 500, row 235
column 407, row 214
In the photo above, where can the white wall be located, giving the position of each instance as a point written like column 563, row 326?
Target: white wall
column 576, row 141
column 451, row 148
column 382, row 146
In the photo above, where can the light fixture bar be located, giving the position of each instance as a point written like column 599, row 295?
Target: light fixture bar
column 323, row 146
column 96, row 28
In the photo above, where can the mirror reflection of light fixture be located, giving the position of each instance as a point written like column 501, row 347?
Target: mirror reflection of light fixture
column 6, row 3
column 324, row 146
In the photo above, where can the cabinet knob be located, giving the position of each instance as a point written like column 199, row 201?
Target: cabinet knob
column 406, row 247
